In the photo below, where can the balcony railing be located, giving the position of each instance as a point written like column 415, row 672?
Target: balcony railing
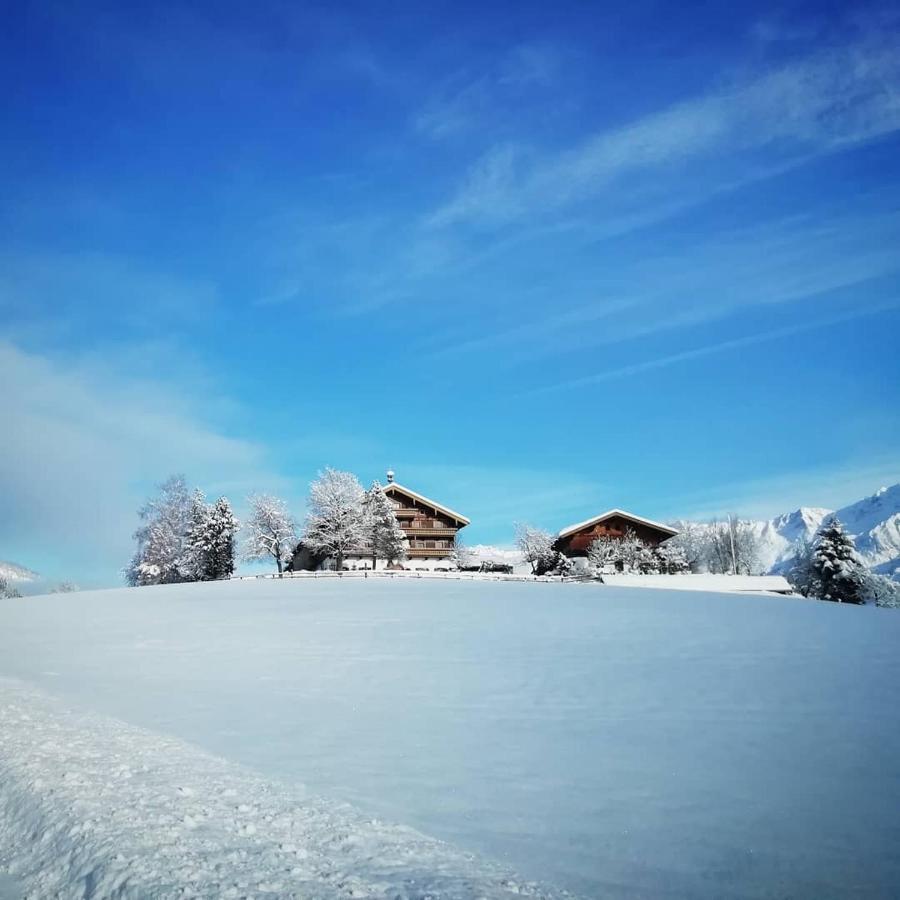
column 431, row 551
column 414, row 530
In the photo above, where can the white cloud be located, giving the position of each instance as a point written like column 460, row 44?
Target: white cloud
column 834, row 99
column 83, row 445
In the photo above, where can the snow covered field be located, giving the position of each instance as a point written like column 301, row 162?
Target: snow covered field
column 615, row 742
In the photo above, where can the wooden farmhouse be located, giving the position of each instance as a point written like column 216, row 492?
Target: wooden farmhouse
column 575, row 540
column 430, row 527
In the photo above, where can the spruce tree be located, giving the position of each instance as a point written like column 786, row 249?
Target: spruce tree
column 223, row 528
column 836, row 571
column 385, row 534
column 196, row 563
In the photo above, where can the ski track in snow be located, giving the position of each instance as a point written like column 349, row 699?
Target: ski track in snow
column 93, row 807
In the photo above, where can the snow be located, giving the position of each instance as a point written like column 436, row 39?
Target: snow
column 773, row 584
column 874, row 523
column 611, row 741
column 570, row 529
column 84, row 797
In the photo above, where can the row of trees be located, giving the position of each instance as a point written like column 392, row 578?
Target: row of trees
column 184, row 538
column 829, row 568
column 728, row 547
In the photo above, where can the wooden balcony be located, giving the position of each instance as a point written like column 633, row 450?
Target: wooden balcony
column 422, row 531
column 419, row 552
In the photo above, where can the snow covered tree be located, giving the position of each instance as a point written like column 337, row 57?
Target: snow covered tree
column 195, row 563
column 7, row 590
column 161, row 538
column 271, row 531
column 562, row 565
column 837, row 572
column 693, row 541
column 733, row 548
column 209, row 554
column 223, row 527
column 603, row 554
column 670, row 559
column 65, row 587
column 337, row 520
column 633, row 552
column 536, row 546
column 881, row 591
column 800, row 570
column 385, row 534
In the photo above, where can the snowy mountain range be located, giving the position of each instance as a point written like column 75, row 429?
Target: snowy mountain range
column 873, row 522
column 13, row 572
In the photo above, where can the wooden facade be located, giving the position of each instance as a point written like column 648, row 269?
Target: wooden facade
column 575, row 540
column 430, row 528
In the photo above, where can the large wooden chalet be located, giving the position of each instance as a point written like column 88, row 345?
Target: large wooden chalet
column 430, row 527
column 575, row 540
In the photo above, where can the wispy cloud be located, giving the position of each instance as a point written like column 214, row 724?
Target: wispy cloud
column 737, row 343
column 816, row 105
column 787, row 262
column 484, row 98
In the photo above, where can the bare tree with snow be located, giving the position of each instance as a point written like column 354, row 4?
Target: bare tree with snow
column 733, row 547
column 161, row 538
column 536, row 546
column 693, row 541
column 271, row 530
column 603, row 553
column 461, row 556
column 336, row 522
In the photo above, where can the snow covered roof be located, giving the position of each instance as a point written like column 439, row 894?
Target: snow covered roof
column 616, row 512
column 391, row 486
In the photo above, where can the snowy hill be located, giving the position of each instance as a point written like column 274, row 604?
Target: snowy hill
column 873, row 522
column 14, row 572
column 337, row 738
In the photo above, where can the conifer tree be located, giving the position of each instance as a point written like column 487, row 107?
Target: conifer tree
column 223, row 528
column 836, row 571
column 385, row 534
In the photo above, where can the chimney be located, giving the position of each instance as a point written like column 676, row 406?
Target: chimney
column 390, row 475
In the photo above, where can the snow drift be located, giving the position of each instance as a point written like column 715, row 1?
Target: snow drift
column 92, row 807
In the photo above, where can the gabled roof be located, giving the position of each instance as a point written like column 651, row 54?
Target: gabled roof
column 572, row 529
column 428, row 502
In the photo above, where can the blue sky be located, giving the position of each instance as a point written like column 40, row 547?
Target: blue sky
column 542, row 259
